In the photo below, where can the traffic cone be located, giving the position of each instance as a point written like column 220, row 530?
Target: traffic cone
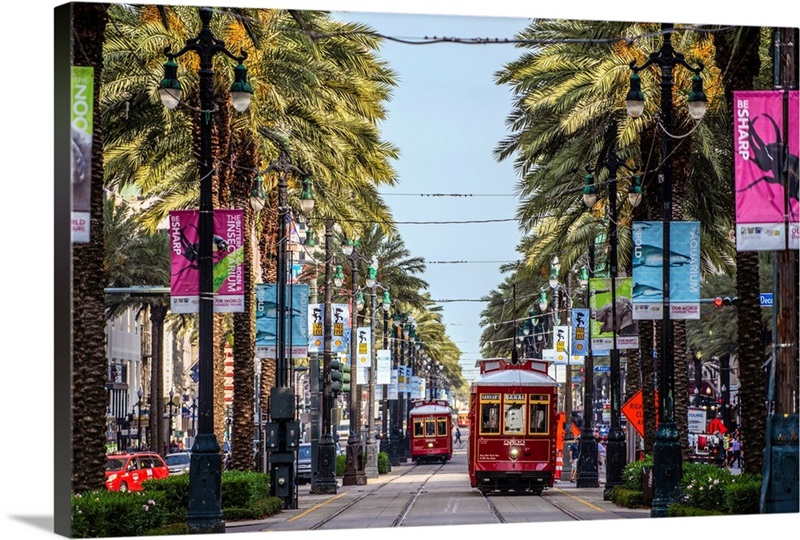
column 559, row 464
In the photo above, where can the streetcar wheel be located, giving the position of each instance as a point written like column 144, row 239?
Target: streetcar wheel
column 123, row 487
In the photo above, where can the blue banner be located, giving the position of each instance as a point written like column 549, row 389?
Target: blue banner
column 295, row 321
column 684, row 270
column 580, row 332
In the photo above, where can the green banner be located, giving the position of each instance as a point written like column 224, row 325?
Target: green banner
column 602, row 323
column 81, row 118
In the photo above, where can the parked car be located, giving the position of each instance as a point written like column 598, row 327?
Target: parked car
column 126, row 472
column 178, row 463
column 304, row 463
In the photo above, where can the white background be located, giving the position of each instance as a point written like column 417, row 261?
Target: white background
column 27, row 387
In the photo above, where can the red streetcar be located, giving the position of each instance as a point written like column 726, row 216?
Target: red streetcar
column 430, row 424
column 512, row 416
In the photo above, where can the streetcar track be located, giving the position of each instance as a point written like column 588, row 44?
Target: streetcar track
column 563, row 509
column 493, row 509
column 402, row 516
column 398, row 521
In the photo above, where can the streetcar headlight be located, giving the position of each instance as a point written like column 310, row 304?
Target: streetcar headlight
column 430, row 445
column 514, row 452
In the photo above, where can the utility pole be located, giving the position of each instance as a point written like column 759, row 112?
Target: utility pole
column 780, row 473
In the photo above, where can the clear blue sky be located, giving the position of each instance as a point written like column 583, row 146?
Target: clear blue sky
column 446, row 116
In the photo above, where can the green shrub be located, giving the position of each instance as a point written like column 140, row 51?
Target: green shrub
column 632, row 472
column 742, row 494
column 383, row 463
column 175, row 490
column 703, row 486
column 111, row 513
column 627, row 498
column 161, row 509
column 341, row 465
column 682, row 510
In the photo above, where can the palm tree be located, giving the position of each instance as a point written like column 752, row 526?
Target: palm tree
column 326, row 93
column 568, row 114
column 133, row 258
column 737, row 55
column 89, row 399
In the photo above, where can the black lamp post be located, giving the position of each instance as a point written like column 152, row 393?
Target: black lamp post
column 325, row 480
column 354, row 474
column 384, row 444
column 371, row 465
column 139, row 422
column 205, row 478
column 171, row 407
column 668, row 468
column 587, row 446
column 615, row 450
column 194, row 415
column 394, row 406
column 283, row 431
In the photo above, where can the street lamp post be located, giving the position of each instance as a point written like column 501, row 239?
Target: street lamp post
column 615, row 449
column 171, row 407
column 283, row 430
column 394, row 406
column 205, row 478
column 194, row 415
column 587, row 449
column 139, row 422
column 325, row 481
column 354, row 474
column 668, row 468
column 384, row 444
column 371, row 466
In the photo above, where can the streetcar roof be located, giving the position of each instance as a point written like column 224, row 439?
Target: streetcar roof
column 512, row 377
column 430, row 409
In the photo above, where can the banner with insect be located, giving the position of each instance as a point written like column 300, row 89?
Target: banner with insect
column 766, row 150
column 684, row 270
column 295, row 322
column 227, row 253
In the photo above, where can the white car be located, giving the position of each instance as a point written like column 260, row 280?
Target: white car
column 178, row 463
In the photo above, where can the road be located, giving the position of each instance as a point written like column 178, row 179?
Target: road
column 435, row 494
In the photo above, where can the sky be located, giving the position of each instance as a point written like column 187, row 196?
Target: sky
column 446, row 116
column 28, row 220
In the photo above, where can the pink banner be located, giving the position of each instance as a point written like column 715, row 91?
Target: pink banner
column 227, row 260
column 759, row 135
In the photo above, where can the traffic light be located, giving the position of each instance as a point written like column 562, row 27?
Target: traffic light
column 340, row 377
column 720, row 301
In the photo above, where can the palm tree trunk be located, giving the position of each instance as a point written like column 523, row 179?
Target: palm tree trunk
column 90, row 365
column 244, row 323
column 158, row 313
column 739, row 58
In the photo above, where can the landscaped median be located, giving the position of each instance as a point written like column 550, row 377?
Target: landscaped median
column 161, row 508
column 706, row 490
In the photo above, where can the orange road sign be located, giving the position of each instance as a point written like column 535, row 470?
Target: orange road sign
column 634, row 411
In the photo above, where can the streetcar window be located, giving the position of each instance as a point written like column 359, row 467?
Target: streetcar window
column 490, row 414
column 430, row 428
column 514, row 418
column 418, row 430
column 539, row 418
column 442, row 425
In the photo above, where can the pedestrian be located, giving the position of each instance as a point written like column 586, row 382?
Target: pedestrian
column 573, row 460
column 736, row 452
column 458, row 436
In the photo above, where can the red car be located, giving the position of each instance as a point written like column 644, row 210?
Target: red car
column 126, row 472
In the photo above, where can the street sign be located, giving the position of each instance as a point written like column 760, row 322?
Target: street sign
column 602, row 368
column 766, row 299
column 634, row 411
